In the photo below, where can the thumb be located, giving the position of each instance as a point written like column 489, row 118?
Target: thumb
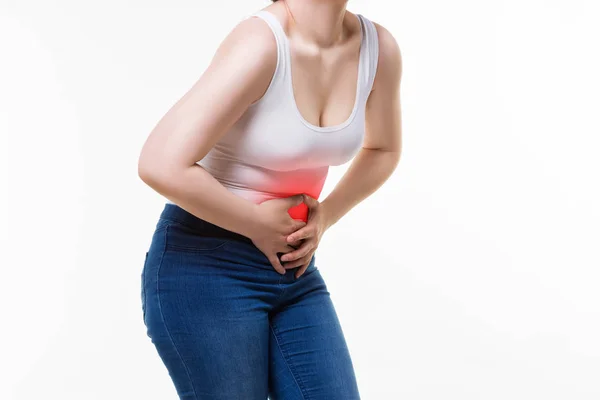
column 310, row 201
column 295, row 200
column 276, row 263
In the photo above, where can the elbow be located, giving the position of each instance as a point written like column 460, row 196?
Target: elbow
column 151, row 171
column 161, row 175
column 393, row 160
column 145, row 170
column 393, row 157
column 146, row 174
column 155, row 166
column 392, row 154
column 397, row 155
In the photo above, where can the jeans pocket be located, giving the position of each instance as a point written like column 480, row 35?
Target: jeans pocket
column 143, row 288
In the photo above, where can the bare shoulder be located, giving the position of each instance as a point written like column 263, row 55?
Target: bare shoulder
column 389, row 63
column 251, row 41
column 244, row 62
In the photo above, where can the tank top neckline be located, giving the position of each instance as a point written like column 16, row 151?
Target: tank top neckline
column 289, row 80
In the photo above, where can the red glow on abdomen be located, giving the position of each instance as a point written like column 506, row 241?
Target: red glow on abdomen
column 299, row 212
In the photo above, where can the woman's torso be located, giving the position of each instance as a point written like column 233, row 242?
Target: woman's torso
column 272, row 151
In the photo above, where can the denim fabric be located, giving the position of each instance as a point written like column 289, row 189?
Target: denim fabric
column 227, row 326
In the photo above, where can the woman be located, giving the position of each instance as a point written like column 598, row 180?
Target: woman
column 232, row 297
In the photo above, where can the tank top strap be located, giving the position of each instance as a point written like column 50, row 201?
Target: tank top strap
column 371, row 53
column 280, row 36
column 368, row 59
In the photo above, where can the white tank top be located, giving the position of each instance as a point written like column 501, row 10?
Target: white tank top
column 272, row 151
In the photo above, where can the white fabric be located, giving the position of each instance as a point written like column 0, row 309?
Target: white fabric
column 272, row 151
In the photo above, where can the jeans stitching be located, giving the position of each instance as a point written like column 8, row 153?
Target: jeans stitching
column 144, row 287
column 163, row 317
column 280, row 287
column 177, row 221
column 288, row 364
column 191, row 249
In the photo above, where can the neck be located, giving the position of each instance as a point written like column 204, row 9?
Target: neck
column 318, row 21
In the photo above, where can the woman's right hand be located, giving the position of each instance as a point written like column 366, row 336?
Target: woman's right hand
column 272, row 225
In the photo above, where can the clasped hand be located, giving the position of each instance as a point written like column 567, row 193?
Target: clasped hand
column 276, row 232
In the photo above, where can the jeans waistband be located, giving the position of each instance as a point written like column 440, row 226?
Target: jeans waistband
column 172, row 212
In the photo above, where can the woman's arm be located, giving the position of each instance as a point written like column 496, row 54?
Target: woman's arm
column 238, row 74
column 371, row 167
column 381, row 150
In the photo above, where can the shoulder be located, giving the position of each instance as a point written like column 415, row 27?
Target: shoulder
column 252, row 44
column 246, row 59
column 389, row 62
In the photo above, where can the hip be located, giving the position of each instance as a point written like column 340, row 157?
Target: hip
column 189, row 240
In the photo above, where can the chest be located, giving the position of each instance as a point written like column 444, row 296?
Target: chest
column 279, row 140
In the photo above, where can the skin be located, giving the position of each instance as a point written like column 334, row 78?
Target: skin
column 324, row 39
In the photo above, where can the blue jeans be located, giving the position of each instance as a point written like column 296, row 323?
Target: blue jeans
column 227, row 326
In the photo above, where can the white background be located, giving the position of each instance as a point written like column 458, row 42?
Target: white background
column 472, row 274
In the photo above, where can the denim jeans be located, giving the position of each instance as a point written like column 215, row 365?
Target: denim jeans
column 227, row 326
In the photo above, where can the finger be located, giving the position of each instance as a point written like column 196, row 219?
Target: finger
column 311, row 202
column 294, row 245
column 297, row 263
column 284, row 248
column 297, row 224
column 293, row 201
column 303, row 233
column 302, row 269
column 296, row 254
column 277, row 264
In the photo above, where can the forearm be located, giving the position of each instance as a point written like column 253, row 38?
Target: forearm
column 367, row 172
column 198, row 192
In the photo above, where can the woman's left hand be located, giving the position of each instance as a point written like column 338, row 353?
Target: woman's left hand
column 310, row 235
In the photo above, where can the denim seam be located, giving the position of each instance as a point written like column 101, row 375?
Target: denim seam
column 159, row 230
column 144, row 287
column 288, row 364
column 163, row 317
column 177, row 220
column 280, row 287
column 191, row 249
